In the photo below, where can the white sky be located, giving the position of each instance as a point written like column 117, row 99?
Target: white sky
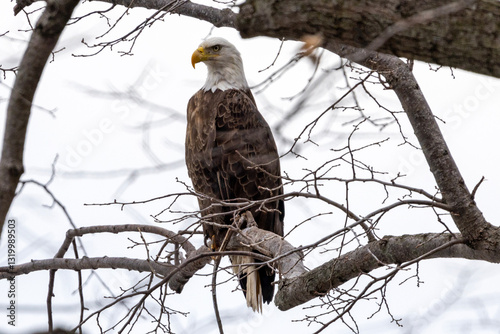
column 107, row 136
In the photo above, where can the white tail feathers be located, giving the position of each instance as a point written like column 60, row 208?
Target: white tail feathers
column 253, row 289
column 254, row 293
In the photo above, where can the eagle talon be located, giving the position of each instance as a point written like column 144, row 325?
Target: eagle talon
column 213, row 247
column 213, row 244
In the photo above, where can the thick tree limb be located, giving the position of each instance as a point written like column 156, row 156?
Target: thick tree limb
column 199, row 259
column 297, row 285
column 465, row 213
column 460, row 33
column 42, row 42
column 283, row 255
column 389, row 250
column 280, row 252
column 465, row 39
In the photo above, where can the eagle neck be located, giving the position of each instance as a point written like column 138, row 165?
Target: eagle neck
column 228, row 75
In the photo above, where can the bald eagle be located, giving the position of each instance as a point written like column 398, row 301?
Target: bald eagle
column 231, row 155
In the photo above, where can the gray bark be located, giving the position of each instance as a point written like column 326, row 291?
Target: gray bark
column 387, row 251
column 462, row 34
column 447, row 35
column 87, row 263
column 42, row 42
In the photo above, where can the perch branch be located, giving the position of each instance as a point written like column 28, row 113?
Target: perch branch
column 389, row 250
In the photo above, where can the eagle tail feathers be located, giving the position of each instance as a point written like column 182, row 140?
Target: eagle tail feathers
column 254, row 292
column 250, row 281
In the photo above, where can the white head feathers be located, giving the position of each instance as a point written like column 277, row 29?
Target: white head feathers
column 225, row 67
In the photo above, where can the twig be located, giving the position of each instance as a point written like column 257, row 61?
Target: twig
column 214, row 294
column 476, row 187
column 42, row 41
column 276, row 58
column 80, row 288
column 386, row 277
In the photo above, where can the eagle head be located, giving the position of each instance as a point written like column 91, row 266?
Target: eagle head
column 223, row 60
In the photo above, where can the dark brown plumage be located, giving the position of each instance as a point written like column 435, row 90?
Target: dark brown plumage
column 231, row 154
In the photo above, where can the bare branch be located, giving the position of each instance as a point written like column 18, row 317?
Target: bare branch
column 187, row 271
column 278, row 253
column 171, row 236
column 42, row 42
column 218, row 17
column 87, row 263
column 389, row 250
column 476, row 187
column 285, row 257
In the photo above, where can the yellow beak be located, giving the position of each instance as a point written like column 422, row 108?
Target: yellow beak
column 198, row 55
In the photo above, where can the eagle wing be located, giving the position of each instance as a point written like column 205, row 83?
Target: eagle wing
column 231, row 155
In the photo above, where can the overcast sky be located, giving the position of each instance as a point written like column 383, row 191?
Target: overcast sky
column 117, row 125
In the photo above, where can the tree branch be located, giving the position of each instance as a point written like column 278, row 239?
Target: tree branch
column 297, row 285
column 180, row 278
column 163, row 269
column 465, row 213
column 84, row 263
column 389, row 250
column 279, row 253
column 284, row 256
column 431, row 31
column 171, row 236
column 42, row 42
column 218, row 17
column 462, row 30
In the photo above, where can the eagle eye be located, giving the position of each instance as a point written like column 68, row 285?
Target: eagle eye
column 216, row 48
